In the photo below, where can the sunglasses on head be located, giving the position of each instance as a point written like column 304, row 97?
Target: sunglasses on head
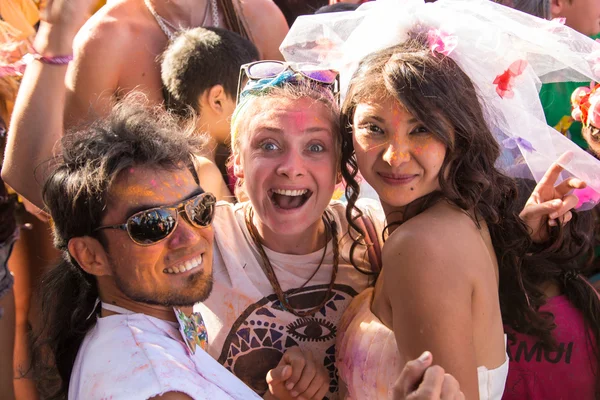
column 269, row 71
column 152, row 226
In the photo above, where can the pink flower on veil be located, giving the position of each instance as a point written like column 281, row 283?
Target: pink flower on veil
column 441, row 41
column 506, row 80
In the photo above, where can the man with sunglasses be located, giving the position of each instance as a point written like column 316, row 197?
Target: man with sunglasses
column 135, row 230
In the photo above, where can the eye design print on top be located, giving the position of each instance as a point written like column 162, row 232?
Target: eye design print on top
column 262, row 334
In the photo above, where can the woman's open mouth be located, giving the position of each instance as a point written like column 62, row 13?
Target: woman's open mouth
column 289, row 199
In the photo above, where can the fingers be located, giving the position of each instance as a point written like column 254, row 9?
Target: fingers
column 450, row 388
column 569, row 184
column 309, row 373
column 412, row 373
column 279, row 374
column 323, row 390
column 564, row 219
column 563, row 212
column 294, row 357
column 307, row 379
column 536, row 211
column 459, row 396
column 431, row 387
column 551, row 175
column 309, row 390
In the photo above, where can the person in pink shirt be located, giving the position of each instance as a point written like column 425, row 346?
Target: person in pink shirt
column 553, row 343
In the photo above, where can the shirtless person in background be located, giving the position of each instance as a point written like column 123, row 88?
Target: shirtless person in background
column 116, row 50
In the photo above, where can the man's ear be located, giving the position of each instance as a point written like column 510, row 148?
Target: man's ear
column 216, row 97
column 238, row 171
column 557, row 7
column 90, row 255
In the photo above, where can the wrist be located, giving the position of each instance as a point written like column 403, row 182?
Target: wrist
column 52, row 41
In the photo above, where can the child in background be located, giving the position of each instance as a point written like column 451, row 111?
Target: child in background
column 555, row 354
column 200, row 71
column 584, row 17
column 586, row 110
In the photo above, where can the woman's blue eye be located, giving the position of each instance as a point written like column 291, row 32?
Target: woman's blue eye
column 269, row 146
column 316, row 148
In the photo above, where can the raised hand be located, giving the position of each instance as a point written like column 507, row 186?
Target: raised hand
column 69, row 15
column 548, row 204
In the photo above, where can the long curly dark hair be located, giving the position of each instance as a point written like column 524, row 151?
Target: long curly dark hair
column 438, row 93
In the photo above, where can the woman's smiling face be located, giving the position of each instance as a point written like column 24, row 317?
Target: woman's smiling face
column 395, row 152
column 287, row 159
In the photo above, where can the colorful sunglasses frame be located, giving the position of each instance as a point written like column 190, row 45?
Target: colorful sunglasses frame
column 329, row 78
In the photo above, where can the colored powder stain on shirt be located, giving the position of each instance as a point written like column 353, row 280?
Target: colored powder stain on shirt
column 141, row 368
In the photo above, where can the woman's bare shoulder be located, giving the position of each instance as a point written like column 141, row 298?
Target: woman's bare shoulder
column 442, row 242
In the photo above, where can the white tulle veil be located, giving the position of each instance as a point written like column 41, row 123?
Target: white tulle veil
column 506, row 53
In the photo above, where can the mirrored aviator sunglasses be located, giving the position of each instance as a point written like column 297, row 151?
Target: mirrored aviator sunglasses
column 270, row 70
column 154, row 225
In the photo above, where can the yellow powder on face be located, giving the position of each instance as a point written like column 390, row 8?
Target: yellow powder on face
column 135, row 190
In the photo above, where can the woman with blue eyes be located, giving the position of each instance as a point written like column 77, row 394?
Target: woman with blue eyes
column 282, row 275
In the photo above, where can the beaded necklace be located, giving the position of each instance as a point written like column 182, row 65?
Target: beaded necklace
column 330, row 228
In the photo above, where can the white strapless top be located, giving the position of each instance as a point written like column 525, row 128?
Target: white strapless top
column 368, row 361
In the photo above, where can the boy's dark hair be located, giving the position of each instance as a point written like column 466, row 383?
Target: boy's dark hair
column 199, row 59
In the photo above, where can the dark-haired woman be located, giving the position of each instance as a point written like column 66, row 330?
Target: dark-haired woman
column 438, row 288
column 425, row 122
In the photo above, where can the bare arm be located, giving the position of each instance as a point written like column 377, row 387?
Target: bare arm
column 37, row 123
column 211, row 179
column 267, row 25
column 93, row 76
column 7, row 341
column 37, row 120
column 430, row 293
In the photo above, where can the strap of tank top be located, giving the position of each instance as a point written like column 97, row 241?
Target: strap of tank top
column 373, row 245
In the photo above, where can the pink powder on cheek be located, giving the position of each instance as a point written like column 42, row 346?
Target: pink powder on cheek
column 153, row 183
